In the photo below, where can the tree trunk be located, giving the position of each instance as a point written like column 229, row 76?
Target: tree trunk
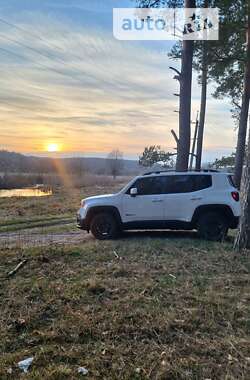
column 242, row 132
column 243, row 238
column 202, row 106
column 194, row 144
column 185, row 101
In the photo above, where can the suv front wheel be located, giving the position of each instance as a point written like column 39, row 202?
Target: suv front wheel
column 212, row 226
column 104, row 226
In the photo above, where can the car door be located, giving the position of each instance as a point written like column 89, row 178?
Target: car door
column 183, row 194
column 148, row 204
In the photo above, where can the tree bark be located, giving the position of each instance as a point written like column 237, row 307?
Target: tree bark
column 194, row 144
column 202, row 106
column 185, row 101
column 242, row 132
column 243, row 238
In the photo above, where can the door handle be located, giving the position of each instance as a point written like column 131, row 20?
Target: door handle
column 196, row 199
column 157, row 200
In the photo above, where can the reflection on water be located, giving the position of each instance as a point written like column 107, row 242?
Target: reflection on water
column 27, row 192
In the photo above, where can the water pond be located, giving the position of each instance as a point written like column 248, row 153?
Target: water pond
column 26, row 192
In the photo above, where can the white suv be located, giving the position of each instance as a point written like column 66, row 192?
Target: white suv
column 205, row 201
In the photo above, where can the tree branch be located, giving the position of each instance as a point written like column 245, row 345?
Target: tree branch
column 177, row 71
column 236, row 104
column 175, row 136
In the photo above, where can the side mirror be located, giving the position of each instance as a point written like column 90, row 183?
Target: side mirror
column 133, row 192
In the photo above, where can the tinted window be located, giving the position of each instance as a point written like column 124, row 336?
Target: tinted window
column 187, row 183
column 179, row 184
column 202, row 182
column 171, row 184
column 150, row 185
column 231, row 180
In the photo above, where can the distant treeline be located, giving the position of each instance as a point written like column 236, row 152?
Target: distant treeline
column 14, row 181
column 11, row 162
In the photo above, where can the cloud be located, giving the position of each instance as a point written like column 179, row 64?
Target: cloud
column 79, row 85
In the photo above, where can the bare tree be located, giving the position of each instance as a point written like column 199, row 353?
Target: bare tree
column 185, row 79
column 185, row 100
column 204, row 75
column 115, row 163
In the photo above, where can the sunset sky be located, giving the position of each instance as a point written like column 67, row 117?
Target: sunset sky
column 67, row 83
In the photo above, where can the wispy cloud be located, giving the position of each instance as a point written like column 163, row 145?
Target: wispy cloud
column 79, row 86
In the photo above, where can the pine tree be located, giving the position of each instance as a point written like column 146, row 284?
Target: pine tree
column 243, row 238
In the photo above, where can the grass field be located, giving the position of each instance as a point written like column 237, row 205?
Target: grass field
column 146, row 306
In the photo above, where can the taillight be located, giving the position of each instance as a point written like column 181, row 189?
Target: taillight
column 235, row 196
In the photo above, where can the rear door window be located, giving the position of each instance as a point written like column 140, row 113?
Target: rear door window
column 202, row 182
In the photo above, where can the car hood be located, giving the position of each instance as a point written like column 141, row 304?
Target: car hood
column 96, row 197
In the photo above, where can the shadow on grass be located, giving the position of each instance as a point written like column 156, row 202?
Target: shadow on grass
column 160, row 234
column 167, row 234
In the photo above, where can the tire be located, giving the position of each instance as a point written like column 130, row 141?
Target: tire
column 104, row 226
column 212, row 226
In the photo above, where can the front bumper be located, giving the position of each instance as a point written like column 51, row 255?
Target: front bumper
column 81, row 223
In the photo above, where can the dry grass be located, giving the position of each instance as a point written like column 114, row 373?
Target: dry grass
column 147, row 306
column 159, row 307
column 62, row 204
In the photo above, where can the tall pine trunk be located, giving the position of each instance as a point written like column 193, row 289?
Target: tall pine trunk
column 243, row 238
column 202, row 106
column 242, row 132
column 185, row 101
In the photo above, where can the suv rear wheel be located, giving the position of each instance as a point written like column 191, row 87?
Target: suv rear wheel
column 104, row 226
column 212, row 226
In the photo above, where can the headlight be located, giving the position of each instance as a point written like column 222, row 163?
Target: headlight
column 82, row 203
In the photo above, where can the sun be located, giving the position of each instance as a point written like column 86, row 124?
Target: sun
column 53, row 147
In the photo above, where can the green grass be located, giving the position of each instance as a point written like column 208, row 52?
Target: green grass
column 168, row 307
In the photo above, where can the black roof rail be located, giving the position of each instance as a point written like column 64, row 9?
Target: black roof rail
column 210, row 171
column 174, row 171
column 159, row 171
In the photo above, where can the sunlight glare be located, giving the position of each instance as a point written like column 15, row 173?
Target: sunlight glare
column 53, row 147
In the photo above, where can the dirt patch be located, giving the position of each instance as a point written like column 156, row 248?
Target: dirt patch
column 34, row 238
